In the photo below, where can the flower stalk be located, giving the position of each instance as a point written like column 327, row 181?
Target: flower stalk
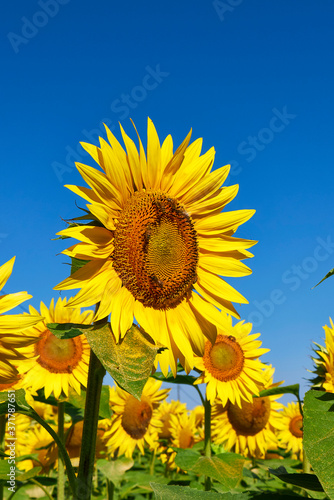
column 61, row 468
column 87, row 455
column 207, row 439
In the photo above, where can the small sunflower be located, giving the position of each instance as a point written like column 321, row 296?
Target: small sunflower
column 74, row 440
column 135, row 422
column 55, row 364
column 249, row 429
column 324, row 362
column 164, row 413
column 184, row 434
column 230, row 367
column 160, row 244
column 36, row 440
column 12, row 329
column 290, row 433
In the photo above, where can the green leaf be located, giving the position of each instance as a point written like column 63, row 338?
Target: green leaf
column 227, row 468
column 68, row 330
column 114, row 470
column 77, row 264
column 186, row 459
column 179, row 379
column 20, row 402
column 130, row 362
column 307, row 481
column 29, row 474
column 318, row 439
column 166, row 492
column 288, row 389
column 328, row 275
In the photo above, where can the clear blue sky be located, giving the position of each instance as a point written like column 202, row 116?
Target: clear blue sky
column 254, row 78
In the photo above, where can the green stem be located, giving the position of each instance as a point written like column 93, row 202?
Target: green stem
column 152, row 463
column 42, row 487
column 110, row 489
column 306, row 463
column 61, row 447
column 207, row 438
column 2, row 447
column 87, row 455
column 61, row 468
column 200, row 394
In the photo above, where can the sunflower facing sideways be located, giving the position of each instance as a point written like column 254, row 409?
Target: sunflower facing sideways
column 231, row 368
column 290, row 433
column 324, row 362
column 249, row 429
column 159, row 243
column 13, row 329
column 55, row 364
column 135, row 422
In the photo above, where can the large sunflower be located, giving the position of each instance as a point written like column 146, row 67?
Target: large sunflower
column 324, row 362
column 55, row 364
column 290, row 433
column 249, row 429
column 13, row 333
column 159, row 242
column 230, row 367
column 135, row 422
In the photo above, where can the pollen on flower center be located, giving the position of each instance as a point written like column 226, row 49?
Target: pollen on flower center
column 296, row 426
column 225, row 359
column 58, row 355
column 136, row 417
column 251, row 418
column 156, row 251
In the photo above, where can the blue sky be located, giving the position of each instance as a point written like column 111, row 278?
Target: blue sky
column 253, row 78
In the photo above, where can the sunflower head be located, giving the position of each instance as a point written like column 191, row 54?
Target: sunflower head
column 290, row 432
column 231, row 368
column 56, row 364
column 324, row 361
column 248, row 428
column 13, row 330
column 135, row 422
column 159, row 245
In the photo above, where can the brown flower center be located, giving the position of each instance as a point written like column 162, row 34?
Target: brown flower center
column 136, row 417
column 186, row 438
column 296, row 426
column 225, row 359
column 156, row 250
column 251, row 418
column 58, row 355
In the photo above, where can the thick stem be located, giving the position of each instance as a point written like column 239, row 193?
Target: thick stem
column 61, row 468
column 87, row 455
column 207, row 438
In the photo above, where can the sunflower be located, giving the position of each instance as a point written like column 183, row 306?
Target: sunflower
column 135, row 422
column 55, row 364
column 249, row 429
column 290, row 433
column 13, row 333
column 324, row 362
column 74, row 440
column 164, row 413
column 184, row 434
column 37, row 441
column 230, row 367
column 159, row 242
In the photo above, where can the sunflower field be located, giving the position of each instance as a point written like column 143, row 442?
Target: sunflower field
column 155, row 249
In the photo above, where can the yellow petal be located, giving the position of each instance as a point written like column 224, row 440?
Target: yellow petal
column 223, row 222
column 5, row 271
